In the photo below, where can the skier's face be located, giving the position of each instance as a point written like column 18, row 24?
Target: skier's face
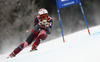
column 44, row 17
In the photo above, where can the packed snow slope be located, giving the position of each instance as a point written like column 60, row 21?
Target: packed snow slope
column 79, row 47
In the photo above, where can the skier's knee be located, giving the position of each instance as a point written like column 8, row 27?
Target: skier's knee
column 43, row 37
column 23, row 45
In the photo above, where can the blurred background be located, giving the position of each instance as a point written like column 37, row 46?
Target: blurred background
column 17, row 16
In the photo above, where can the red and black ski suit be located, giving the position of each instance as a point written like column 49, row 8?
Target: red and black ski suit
column 36, row 34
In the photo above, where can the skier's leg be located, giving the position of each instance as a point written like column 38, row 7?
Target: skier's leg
column 29, row 40
column 41, row 36
column 20, row 47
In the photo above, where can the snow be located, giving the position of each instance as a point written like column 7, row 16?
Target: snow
column 79, row 47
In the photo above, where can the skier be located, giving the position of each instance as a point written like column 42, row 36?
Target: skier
column 42, row 27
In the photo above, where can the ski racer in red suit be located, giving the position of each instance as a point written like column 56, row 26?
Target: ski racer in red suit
column 42, row 27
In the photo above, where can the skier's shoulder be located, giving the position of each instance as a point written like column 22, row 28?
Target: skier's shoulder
column 49, row 18
column 37, row 18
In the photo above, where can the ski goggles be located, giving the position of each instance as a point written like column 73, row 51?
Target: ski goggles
column 44, row 16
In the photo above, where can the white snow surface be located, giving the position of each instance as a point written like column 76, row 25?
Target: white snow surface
column 78, row 47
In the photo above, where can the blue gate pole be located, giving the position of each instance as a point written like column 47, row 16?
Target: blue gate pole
column 84, row 17
column 60, row 25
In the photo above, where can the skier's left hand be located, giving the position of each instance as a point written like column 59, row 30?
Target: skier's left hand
column 47, row 24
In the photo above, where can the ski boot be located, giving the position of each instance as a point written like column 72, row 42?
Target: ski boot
column 33, row 48
column 11, row 55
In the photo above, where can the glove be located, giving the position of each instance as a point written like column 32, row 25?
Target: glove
column 47, row 24
column 40, row 23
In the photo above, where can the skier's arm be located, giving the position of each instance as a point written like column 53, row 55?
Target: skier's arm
column 36, row 28
column 36, row 21
column 49, row 28
column 36, row 25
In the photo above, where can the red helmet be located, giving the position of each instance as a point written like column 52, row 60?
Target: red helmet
column 43, row 13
